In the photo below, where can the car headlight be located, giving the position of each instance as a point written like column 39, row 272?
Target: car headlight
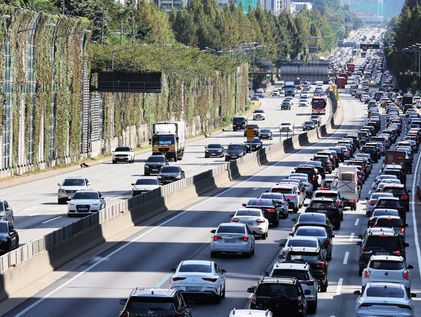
column 96, row 205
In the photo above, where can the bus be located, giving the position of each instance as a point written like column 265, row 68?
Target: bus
column 318, row 105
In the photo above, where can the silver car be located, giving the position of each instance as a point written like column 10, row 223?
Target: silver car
column 280, row 201
column 371, row 202
column 145, row 184
column 6, row 212
column 234, row 238
column 254, row 219
column 303, row 274
column 70, row 186
column 319, row 233
column 387, row 268
column 85, row 202
column 384, row 299
column 199, row 278
column 310, row 242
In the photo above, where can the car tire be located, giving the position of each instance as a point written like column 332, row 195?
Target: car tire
column 226, row 159
column 312, row 308
column 295, row 210
column 354, row 206
column 114, row 161
column 61, row 201
column 263, row 236
column 323, row 287
column 213, row 254
column 337, row 226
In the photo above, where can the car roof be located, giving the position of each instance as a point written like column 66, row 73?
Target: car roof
column 322, row 199
column 326, row 191
column 154, row 292
column 248, row 209
column 196, row 262
column 75, row 177
column 380, row 231
column 389, row 198
column 391, row 258
column 282, row 280
column 292, row 266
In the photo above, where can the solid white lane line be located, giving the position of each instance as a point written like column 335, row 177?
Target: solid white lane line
column 414, row 219
column 351, row 237
column 52, row 219
column 357, row 221
column 346, row 257
column 339, row 286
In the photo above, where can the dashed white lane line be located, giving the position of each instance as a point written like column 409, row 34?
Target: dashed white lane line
column 52, row 219
column 346, row 257
column 339, row 286
column 351, row 237
column 357, row 221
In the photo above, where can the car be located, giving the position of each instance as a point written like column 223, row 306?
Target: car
column 399, row 191
column 333, row 194
column 301, row 241
column 6, row 212
column 269, row 208
column 154, row 163
column 235, row 151
column 253, row 145
column 155, row 301
column 280, row 201
column 70, row 186
column 232, row 238
column 123, row 154
column 9, row 237
column 259, row 114
column 239, row 123
column 329, row 207
column 380, row 178
column 250, row 313
column 381, row 212
column 318, row 232
column 313, row 219
column 291, row 193
column 286, row 105
column 394, row 222
column 214, row 150
column 171, row 173
column 384, row 299
column 309, row 125
column 302, row 272
column 371, row 201
column 312, row 173
column 380, row 241
column 85, row 202
column 281, row 296
column 285, row 127
column 315, row 257
column 145, row 184
column 254, row 219
column 391, row 203
column 266, row 134
column 388, row 269
column 199, row 278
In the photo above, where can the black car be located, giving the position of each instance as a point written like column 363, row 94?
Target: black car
column 239, row 123
column 268, row 207
column 253, row 145
column 400, row 192
column 214, row 150
column 235, row 151
column 309, row 125
column 325, row 160
column 391, row 203
column 144, row 302
column 328, row 207
column 380, row 241
column 154, row 163
column 313, row 219
column 266, row 134
column 282, row 296
column 315, row 257
column 9, row 237
column 372, row 150
column 171, row 174
column 311, row 172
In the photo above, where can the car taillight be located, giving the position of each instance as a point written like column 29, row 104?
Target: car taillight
column 338, row 202
column 307, row 282
column 245, row 238
column 404, row 196
column 234, row 219
column 326, row 243
column 270, row 209
column 402, row 230
column 371, row 202
column 320, row 264
column 253, row 298
column 367, row 251
column 178, row 278
column 216, row 238
column 397, row 252
column 313, row 177
column 366, row 274
column 406, row 275
column 260, row 220
column 209, row 279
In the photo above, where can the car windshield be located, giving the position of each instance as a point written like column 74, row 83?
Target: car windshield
column 259, row 202
column 272, row 196
column 85, row 195
column 163, row 139
column 147, row 304
column 378, row 195
column 302, row 257
column 385, row 291
column 383, row 242
column 326, row 194
column 235, row 147
column 386, row 265
column 170, row 169
column 147, row 181
column 276, row 289
column 204, row 268
column 322, row 204
column 394, row 190
column 3, row 227
column 122, row 149
column 385, row 212
column 248, row 213
column 311, row 232
column 156, row 159
column 239, row 120
column 265, row 131
column 231, row 229
column 302, row 243
column 382, row 203
column 388, row 222
column 298, row 274
column 214, row 146
column 282, row 190
column 74, row 182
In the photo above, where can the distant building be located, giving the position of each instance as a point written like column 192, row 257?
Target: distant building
column 276, row 6
column 168, row 5
column 247, row 4
column 296, row 6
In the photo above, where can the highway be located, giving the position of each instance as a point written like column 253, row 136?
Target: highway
column 145, row 258
column 35, row 203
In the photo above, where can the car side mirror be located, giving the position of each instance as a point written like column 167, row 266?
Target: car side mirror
column 413, row 295
column 251, row 289
column 291, row 234
column 410, row 267
column 213, row 231
column 406, row 244
column 58, row 184
column 223, row 271
column 132, row 184
column 332, row 236
column 123, row 301
column 357, row 292
column 359, row 243
column 244, row 205
column 307, row 292
column 367, row 198
column 173, row 269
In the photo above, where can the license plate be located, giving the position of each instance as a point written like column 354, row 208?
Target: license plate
column 382, row 253
column 193, row 289
column 83, row 209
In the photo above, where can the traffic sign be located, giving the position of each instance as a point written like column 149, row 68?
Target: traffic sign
column 250, row 133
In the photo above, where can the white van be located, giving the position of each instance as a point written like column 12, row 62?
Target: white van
column 346, row 183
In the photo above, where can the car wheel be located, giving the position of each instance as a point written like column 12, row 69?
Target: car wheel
column 312, row 308
column 354, row 206
column 264, row 236
column 323, row 287
column 276, row 223
column 295, row 210
column 227, row 159
column 217, row 299
column 337, row 226
column 114, row 161
column 213, row 254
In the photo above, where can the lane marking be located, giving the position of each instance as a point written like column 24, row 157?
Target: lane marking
column 357, row 221
column 339, row 286
column 351, row 237
column 414, row 219
column 346, row 257
column 52, row 219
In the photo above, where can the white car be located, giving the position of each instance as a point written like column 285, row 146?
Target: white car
column 85, row 202
column 70, row 186
column 285, row 127
column 6, row 213
column 123, row 154
column 199, row 277
column 250, row 313
column 254, row 219
column 259, row 114
column 145, row 184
